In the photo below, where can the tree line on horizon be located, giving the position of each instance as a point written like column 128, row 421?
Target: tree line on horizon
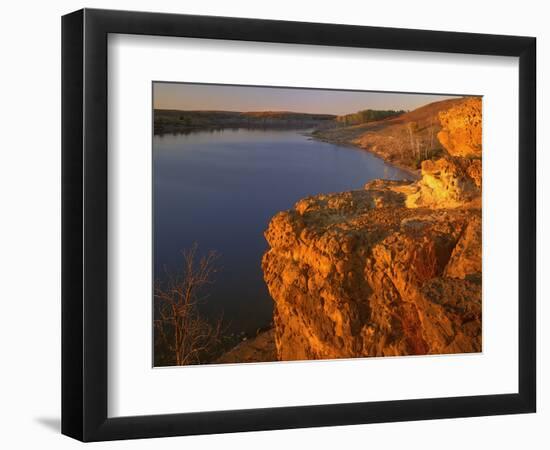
column 167, row 120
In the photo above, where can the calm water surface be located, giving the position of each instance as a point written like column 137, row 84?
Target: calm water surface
column 221, row 188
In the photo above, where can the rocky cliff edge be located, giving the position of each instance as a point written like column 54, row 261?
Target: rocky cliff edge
column 393, row 269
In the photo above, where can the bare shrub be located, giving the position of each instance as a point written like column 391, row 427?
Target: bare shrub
column 182, row 336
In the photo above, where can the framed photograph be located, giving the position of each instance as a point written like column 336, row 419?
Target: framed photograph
column 273, row 224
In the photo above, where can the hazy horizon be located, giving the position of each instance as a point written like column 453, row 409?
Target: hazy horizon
column 237, row 98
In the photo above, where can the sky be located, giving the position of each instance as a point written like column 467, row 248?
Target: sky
column 218, row 97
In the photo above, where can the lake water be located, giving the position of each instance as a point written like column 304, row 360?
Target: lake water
column 220, row 189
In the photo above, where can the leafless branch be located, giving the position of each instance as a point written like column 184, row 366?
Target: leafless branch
column 180, row 330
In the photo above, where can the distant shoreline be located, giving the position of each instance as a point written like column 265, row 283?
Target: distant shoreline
column 399, row 138
column 316, row 134
column 181, row 129
column 175, row 120
column 416, row 173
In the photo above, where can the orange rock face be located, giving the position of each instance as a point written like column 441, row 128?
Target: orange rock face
column 447, row 183
column 394, row 269
column 461, row 128
column 350, row 278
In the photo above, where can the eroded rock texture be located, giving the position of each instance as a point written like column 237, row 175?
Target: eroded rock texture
column 461, row 128
column 447, row 183
column 394, row 269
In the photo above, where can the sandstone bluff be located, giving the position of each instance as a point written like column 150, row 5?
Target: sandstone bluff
column 393, row 269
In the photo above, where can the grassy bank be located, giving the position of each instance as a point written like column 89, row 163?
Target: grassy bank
column 404, row 140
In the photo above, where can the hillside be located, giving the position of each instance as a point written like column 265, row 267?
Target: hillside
column 405, row 140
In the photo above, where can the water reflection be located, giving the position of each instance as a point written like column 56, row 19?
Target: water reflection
column 220, row 188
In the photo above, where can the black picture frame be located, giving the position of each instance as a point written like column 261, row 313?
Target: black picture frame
column 84, row 224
